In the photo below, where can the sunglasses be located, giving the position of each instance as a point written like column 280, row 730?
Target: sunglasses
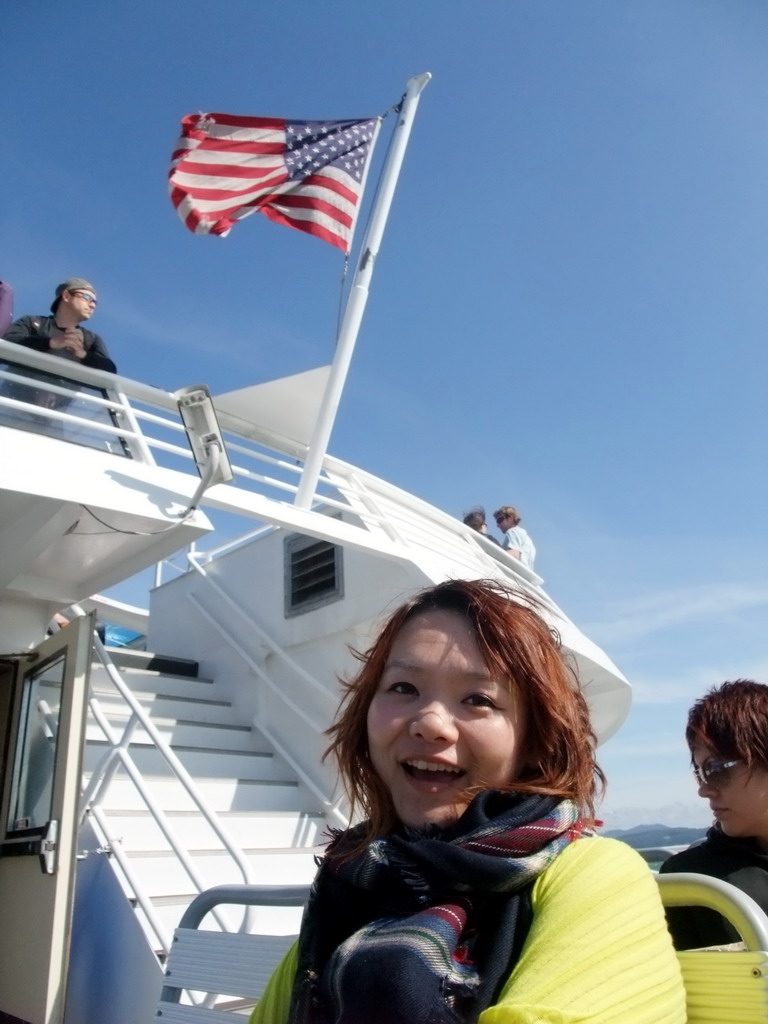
column 90, row 299
column 714, row 772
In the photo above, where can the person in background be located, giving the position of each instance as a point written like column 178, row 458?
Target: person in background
column 727, row 735
column 6, row 307
column 516, row 540
column 474, row 889
column 58, row 622
column 61, row 334
column 475, row 519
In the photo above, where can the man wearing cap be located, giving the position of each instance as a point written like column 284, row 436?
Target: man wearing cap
column 516, row 540
column 61, row 333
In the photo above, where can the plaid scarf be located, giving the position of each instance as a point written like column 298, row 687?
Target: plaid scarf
column 425, row 924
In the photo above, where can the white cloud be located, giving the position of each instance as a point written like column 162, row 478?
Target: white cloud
column 687, row 687
column 634, row 618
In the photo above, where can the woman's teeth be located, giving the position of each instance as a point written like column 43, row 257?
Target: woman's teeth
column 431, row 766
column 431, row 769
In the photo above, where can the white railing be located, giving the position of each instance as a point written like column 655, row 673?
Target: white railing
column 375, row 514
column 117, row 757
column 146, row 420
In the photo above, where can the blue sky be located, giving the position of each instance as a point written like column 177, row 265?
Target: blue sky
column 569, row 309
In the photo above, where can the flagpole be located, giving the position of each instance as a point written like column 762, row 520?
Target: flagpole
column 358, row 296
column 363, row 183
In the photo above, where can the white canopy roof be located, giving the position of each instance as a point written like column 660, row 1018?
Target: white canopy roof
column 286, row 408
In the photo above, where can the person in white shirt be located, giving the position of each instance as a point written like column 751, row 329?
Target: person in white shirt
column 516, row 540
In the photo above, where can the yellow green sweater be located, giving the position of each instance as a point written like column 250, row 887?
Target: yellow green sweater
column 598, row 951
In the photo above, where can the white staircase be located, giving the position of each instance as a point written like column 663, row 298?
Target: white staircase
column 260, row 805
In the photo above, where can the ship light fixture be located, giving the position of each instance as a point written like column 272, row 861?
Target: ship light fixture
column 204, row 435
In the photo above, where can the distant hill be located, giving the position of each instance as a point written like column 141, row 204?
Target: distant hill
column 643, row 836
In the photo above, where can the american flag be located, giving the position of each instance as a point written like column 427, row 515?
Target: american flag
column 306, row 174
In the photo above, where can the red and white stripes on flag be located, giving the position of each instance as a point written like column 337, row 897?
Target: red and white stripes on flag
column 306, row 174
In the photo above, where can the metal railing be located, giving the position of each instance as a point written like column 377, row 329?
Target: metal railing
column 118, row 757
column 688, row 889
column 381, row 515
column 215, row 966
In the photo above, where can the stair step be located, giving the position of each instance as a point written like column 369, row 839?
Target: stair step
column 198, row 761
column 220, row 794
column 162, row 705
column 139, row 831
column 203, row 735
column 126, row 657
column 164, row 875
column 153, row 682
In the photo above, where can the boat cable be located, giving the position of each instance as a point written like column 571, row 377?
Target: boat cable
column 130, row 533
column 213, row 451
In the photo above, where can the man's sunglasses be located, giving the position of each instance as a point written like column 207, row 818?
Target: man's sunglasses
column 91, row 299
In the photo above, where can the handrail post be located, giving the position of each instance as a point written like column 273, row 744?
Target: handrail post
column 138, row 439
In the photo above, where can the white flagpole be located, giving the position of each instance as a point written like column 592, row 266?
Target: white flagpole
column 363, row 183
column 358, row 296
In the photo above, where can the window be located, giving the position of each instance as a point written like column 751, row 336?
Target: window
column 313, row 574
column 80, row 402
column 32, row 786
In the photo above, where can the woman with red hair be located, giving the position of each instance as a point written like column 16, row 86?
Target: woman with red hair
column 727, row 734
column 474, row 888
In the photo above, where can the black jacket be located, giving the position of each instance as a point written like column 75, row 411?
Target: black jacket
column 738, row 861
column 36, row 332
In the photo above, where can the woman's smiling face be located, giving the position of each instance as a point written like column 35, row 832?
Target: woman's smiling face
column 441, row 727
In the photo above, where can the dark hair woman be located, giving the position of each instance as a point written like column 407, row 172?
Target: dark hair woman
column 473, row 889
column 727, row 735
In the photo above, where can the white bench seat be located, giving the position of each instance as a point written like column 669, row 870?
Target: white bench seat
column 235, row 965
column 722, row 987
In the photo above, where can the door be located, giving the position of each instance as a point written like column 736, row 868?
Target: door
column 42, row 763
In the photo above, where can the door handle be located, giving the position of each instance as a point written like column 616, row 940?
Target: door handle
column 45, row 846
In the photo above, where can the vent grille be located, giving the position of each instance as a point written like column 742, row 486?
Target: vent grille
column 313, row 574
